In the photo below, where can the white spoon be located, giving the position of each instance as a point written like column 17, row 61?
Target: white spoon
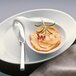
column 19, row 31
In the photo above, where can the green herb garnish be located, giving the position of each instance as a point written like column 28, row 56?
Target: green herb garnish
column 48, row 31
column 37, row 25
column 51, row 24
column 46, row 24
column 44, row 29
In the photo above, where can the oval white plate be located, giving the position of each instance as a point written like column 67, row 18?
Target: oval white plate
column 9, row 46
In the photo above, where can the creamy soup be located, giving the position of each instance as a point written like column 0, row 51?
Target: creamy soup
column 45, row 37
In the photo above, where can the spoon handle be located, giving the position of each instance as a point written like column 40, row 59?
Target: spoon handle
column 22, row 65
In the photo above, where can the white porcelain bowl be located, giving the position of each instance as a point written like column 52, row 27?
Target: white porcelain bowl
column 31, row 29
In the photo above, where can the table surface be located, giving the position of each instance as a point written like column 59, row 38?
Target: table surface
column 11, row 7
